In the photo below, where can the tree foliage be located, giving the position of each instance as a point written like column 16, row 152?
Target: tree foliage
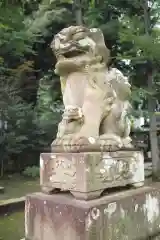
column 24, row 137
column 29, row 91
column 133, row 51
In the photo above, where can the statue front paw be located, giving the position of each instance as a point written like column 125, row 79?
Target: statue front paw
column 77, row 141
column 110, row 142
column 63, row 140
column 72, row 143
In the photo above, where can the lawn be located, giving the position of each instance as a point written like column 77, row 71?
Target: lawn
column 18, row 186
column 12, row 225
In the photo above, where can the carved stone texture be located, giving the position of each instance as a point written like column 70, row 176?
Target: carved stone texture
column 87, row 175
column 95, row 97
column 132, row 214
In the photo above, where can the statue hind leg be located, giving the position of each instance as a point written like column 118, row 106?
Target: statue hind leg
column 115, row 131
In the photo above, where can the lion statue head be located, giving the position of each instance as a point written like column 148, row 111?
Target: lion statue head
column 76, row 47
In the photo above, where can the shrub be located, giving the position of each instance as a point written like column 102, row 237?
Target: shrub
column 32, row 172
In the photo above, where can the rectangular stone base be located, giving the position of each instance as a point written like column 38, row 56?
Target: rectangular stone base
column 87, row 175
column 128, row 215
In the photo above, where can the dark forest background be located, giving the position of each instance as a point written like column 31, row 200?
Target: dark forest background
column 30, row 97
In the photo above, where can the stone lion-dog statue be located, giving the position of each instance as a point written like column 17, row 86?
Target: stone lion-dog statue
column 95, row 97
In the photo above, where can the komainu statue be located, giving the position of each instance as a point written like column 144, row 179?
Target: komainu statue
column 95, row 97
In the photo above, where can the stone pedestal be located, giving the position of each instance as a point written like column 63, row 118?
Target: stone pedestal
column 132, row 214
column 87, row 175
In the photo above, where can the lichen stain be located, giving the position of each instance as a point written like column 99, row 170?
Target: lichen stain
column 88, row 222
column 151, row 208
column 122, row 213
column 136, row 208
column 41, row 163
column 94, row 214
column 110, row 209
column 137, row 168
column 27, row 208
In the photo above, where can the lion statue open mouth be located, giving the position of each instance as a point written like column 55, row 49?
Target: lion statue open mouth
column 95, row 97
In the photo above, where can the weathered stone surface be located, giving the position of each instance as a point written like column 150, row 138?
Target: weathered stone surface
column 131, row 214
column 95, row 96
column 87, row 175
column 91, row 153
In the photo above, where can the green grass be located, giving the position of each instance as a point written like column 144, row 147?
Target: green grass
column 12, row 226
column 18, row 186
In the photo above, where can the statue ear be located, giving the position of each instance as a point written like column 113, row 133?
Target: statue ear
column 97, row 35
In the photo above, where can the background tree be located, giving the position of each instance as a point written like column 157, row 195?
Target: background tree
column 27, row 63
column 24, row 137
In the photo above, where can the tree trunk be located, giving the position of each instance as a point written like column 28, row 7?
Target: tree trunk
column 151, row 102
column 78, row 12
